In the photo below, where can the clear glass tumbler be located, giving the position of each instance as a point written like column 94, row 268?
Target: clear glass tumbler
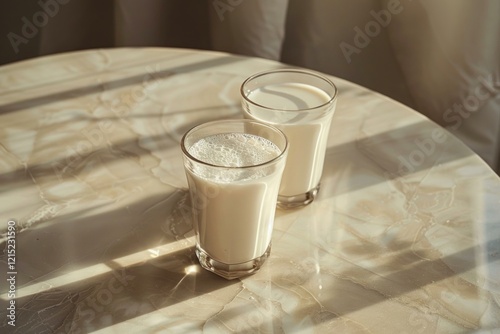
column 234, row 169
column 301, row 103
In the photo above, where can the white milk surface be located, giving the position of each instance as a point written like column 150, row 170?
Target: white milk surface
column 307, row 136
column 234, row 208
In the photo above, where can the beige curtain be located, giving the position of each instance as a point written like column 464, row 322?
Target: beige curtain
column 439, row 57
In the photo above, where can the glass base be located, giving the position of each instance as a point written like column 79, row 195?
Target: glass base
column 231, row 271
column 292, row 202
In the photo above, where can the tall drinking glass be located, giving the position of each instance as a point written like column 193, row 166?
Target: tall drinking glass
column 234, row 169
column 301, row 103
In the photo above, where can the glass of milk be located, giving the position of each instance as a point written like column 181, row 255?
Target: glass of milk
column 301, row 103
column 234, row 169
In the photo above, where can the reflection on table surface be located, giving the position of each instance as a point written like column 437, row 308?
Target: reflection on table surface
column 403, row 237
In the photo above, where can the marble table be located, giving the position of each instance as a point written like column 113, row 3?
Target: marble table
column 403, row 238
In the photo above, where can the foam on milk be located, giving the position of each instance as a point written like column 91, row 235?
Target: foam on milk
column 232, row 150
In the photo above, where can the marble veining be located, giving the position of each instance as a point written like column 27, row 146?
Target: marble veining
column 403, row 238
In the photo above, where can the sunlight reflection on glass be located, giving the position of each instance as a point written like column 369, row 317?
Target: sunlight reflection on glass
column 192, row 269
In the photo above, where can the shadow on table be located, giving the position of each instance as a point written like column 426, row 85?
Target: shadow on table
column 95, row 270
column 390, row 161
column 391, row 280
column 361, row 287
column 401, row 153
column 123, row 82
column 72, row 162
column 156, row 285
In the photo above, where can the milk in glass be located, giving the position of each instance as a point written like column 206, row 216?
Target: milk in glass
column 234, row 206
column 287, row 106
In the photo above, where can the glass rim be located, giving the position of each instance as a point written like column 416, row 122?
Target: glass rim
column 290, row 70
column 273, row 160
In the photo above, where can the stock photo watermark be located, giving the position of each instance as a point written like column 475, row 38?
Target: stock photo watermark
column 420, row 322
column 189, row 208
column 425, row 147
column 31, row 26
column 364, row 36
column 104, row 295
column 488, row 87
column 11, row 272
column 221, row 7
column 265, row 310
column 91, row 306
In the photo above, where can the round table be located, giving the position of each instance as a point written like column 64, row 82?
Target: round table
column 404, row 236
